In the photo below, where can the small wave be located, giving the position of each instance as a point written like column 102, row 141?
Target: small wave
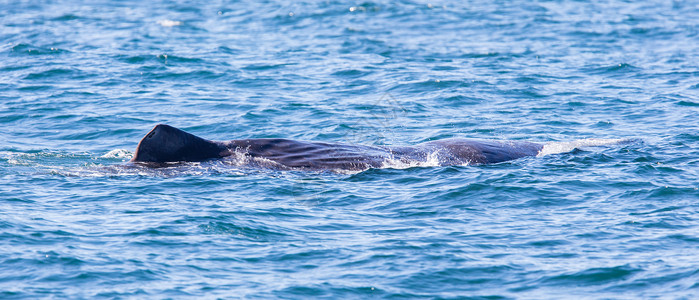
column 130, row 169
column 255, row 232
column 563, row 147
column 29, row 49
column 55, row 73
column 36, row 158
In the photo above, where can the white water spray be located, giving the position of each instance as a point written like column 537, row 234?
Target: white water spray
column 563, row 147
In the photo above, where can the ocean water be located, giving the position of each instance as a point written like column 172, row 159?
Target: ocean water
column 608, row 211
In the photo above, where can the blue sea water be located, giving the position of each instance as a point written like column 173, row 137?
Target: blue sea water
column 610, row 211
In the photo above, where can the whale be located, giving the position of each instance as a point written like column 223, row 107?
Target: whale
column 167, row 144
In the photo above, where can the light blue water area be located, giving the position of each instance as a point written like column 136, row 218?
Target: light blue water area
column 81, row 84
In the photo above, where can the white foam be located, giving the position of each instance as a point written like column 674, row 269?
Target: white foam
column 169, row 23
column 563, row 147
column 432, row 160
column 240, row 158
column 118, row 153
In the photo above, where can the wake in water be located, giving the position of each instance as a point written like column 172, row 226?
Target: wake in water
column 565, row 147
column 435, row 158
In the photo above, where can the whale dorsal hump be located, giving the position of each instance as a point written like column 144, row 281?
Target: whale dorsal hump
column 165, row 143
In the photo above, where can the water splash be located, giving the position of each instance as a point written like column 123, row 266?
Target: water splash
column 432, row 159
column 118, row 153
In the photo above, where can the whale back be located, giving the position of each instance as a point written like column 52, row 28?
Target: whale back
column 499, row 151
column 165, row 143
column 457, row 151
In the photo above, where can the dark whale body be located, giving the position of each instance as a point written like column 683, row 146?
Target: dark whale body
column 166, row 144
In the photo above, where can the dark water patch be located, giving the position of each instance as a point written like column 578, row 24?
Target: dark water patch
column 304, row 256
column 351, row 73
column 203, row 75
column 548, row 243
column 462, row 100
column 458, row 280
column 251, row 83
column 530, row 93
column 228, row 50
column 483, row 55
column 668, row 192
column 618, row 69
column 689, row 137
column 366, row 45
column 75, row 94
column 688, row 103
column 265, row 66
column 167, row 59
column 14, row 68
column 106, row 277
column 657, row 167
column 665, row 224
column 303, row 291
column 47, row 269
column 685, row 238
column 603, row 124
column 28, row 49
column 160, row 231
column 55, row 74
column 657, row 211
column 658, row 222
column 445, row 68
column 555, row 255
column 429, row 86
column 7, row 119
column 592, row 276
column 679, row 280
column 66, row 17
column 137, row 59
column 531, row 79
column 51, row 233
column 258, row 233
column 356, row 291
column 49, row 74
column 118, row 295
column 36, row 88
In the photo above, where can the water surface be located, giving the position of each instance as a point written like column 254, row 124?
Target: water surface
column 81, row 83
